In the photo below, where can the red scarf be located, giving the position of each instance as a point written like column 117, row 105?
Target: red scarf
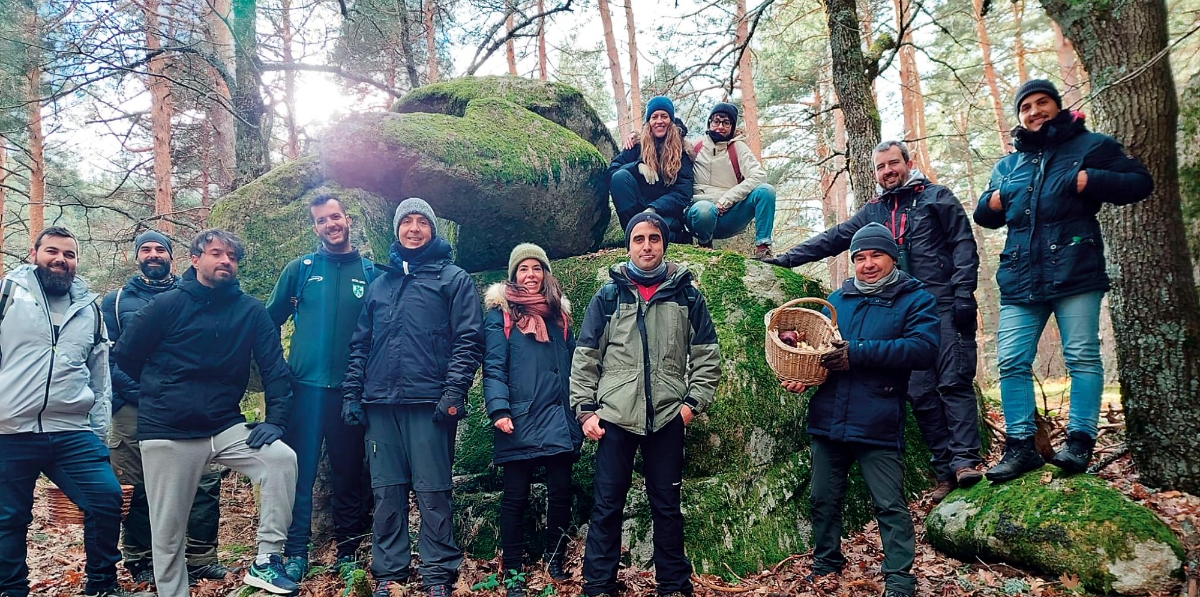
column 533, row 318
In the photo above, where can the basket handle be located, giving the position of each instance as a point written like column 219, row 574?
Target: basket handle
column 813, row 299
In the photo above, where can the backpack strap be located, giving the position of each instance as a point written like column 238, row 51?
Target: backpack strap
column 98, row 332
column 369, row 270
column 5, row 297
column 699, row 146
column 306, row 265
column 733, row 159
column 117, row 308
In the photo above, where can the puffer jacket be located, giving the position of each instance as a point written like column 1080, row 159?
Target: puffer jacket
column 890, row 335
column 925, row 217
column 715, row 179
column 638, row 362
column 117, row 312
column 529, row 382
column 668, row 200
column 419, row 334
column 1053, row 248
column 49, row 381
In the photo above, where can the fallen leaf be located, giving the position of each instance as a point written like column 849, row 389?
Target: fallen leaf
column 1069, row 582
column 1047, row 477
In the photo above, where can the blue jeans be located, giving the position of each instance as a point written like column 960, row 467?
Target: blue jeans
column 77, row 462
column 706, row 224
column 1020, row 328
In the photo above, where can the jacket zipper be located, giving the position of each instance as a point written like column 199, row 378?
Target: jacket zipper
column 641, row 323
column 53, row 353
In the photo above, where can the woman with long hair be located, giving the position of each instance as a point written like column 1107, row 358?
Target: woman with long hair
column 526, row 380
column 655, row 174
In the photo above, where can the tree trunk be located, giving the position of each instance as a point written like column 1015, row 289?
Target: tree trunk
column 746, row 78
column 37, row 161
column 912, row 100
column 989, row 75
column 1154, row 305
column 251, row 144
column 221, row 151
column 510, row 50
column 635, row 79
column 624, row 119
column 161, row 110
column 431, row 65
column 3, row 178
column 833, row 180
column 292, row 149
column 406, row 51
column 1068, row 68
column 852, row 81
column 1018, row 11
column 543, row 68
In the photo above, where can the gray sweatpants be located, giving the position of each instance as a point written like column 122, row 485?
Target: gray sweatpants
column 173, row 468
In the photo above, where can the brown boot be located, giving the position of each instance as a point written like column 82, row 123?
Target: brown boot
column 967, row 476
column 942, row 490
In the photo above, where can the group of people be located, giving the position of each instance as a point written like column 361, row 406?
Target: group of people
column 382, row 355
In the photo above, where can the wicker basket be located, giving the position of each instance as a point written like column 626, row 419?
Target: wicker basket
column 63, row 511
column 801, row 365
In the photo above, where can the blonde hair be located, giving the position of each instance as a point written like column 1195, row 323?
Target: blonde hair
column 668, row 164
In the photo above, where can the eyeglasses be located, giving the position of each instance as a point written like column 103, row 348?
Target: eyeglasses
column 720, row 122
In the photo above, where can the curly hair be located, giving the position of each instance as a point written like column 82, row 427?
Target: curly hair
column 668, row 164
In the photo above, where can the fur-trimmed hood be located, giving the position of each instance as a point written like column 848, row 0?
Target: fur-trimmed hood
column 494, row 298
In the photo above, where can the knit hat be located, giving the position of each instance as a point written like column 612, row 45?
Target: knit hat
column 413, row 205
column 729, row 110
column 653, row 218
column 525, row 251
column 152, row 236
column 874, row 236
column 660, row 102
column 1033, row 86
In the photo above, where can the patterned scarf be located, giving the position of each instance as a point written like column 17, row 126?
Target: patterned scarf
column 532, row 320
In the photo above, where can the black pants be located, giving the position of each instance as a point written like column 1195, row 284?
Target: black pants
column 881, row 469
column 518, row 475
column 943, row 401
column 662, row 459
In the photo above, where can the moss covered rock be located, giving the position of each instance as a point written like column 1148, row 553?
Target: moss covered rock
column 1077, row 525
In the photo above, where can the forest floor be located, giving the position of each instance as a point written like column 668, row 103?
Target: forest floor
column 56, row 555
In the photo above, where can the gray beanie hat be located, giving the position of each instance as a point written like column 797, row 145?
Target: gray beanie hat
column 525, row 251
column 875, row 236
column 413, row 205
column 152, row 236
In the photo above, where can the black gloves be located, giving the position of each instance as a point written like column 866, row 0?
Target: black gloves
column 262, row 434
column 839, row 359
column 964, row 316
column 451, row 408
column 352, row 413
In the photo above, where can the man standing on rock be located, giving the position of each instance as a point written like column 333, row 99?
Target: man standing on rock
column 153, row 252
column 323, row 293
column 413, row 356
column 645, row 364
column 190, row 349
column 936, row 246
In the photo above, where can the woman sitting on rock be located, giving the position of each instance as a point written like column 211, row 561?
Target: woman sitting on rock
column 526, row 379
column 655, row 174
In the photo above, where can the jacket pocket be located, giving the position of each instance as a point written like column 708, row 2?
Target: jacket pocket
column 621, row 396
column 1078, row 261
column 1008, row 274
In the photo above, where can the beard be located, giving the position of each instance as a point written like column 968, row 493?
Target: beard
column 55, row 282
column 155, row 269
column 222, row 281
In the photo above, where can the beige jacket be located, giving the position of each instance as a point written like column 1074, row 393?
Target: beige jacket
column 715, row 180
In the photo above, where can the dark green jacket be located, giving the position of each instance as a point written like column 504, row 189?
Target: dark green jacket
column 324, row 315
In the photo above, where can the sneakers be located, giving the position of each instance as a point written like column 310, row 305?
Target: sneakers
column 762, row 252
column 1076, row 454
column 271, row 577
column 967, row 476
column 296, row 568
column 1020, row 457
column 212, row 571
column 384, row 588
column 554, row 566
column 942, row 490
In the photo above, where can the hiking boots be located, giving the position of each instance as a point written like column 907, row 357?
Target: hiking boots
column 514, row 584
column 144, row 577
column 554, row 565
column 967, row 476
column 1020, row 457
column 707, row 245
column 384, row 588
column 762, row 252
column 1076, row 454
column 942, row 490
column 296, row 568
column 438, row 591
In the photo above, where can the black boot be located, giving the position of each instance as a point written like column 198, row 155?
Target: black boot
column 1020, row 457
column 1075, row 456
column 554, row 565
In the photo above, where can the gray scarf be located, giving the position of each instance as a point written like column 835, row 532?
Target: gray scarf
column 877, row 286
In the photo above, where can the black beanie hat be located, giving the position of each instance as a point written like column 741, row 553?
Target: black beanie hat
column 653, row 218
column 875, row 236
column 152, row 236
column 729, row 110
column 1033, row 86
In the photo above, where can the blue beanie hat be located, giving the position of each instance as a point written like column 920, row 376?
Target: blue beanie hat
column 152, row 236
column 875, row 236
column 1033, row 86
column 660, row 102
column 653, row 218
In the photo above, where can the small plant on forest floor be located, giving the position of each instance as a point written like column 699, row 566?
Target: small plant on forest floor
column 491, row 583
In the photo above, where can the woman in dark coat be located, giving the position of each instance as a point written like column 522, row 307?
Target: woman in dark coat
column 526, row 379
column 655, row 172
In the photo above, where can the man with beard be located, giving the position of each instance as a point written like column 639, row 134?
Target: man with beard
column 323, row 293
column 936, row 246
column 55, row 400
column 153, row 252
column 191, row 349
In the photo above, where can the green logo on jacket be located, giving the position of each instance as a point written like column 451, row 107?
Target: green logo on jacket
column 358, row 288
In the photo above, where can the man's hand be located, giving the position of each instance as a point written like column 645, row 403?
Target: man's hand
column 794, row 387
column 994, row 202
column 504, row 424
column 592, row 428
column 1080, row 181
column 263, row 434
column 631, row 140
column 450, row 409
column 687, row 414
column 352, row 413
column 964, row 316
column 839, row 359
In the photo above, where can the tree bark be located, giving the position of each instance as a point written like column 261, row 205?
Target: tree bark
column 431, row 65
column 1018, row 11
column 406, row 51
column 1154, row 305
column 852, row 81
column 251, row 144
column 635, row 79
column 989, row 75
column 37, row 158
column 833, row 180
column 746, row 79
column 3, row 178
column 221, row 151
column 1068, row 68
column 912, row 100
column 161, row 110
column 510, row 50
column 624, row 119
column 543, row 67
column 292, row 149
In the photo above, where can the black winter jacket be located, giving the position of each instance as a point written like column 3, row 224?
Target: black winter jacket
column 419, row 334
column 667, row 200
column 926, row 217
column 529, row 382
column 891, row 334
column 190, row 348
column 133, row 296
column 1053, row 248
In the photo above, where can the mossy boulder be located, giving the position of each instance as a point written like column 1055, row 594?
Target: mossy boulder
column 747, row 468
column 1076, row 525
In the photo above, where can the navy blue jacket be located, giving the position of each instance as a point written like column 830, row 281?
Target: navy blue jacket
column 669, row 201
column 419, row 334
column 1053, row 248
column 134, row 295
column 529, row 382
column 891, row 334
